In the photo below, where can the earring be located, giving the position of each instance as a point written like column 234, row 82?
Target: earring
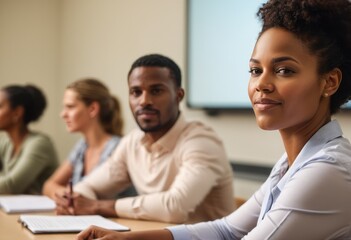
column 325, row 94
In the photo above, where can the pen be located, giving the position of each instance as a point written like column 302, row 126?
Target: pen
column 70, row 197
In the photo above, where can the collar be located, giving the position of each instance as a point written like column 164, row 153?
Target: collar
column 309, row 153
column 325, row 134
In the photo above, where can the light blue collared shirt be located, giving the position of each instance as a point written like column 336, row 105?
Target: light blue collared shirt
column 310, row 200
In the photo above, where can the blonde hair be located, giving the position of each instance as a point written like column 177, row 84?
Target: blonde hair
column 91, row 90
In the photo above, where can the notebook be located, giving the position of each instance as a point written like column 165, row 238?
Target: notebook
column 66, row 224
column 26, row 203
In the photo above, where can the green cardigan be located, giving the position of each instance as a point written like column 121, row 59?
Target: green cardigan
column 26, row 172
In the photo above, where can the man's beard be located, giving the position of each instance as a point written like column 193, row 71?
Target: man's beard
column 159, row 126
column 150, row 129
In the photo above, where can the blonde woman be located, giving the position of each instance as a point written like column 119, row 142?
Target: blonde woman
column 90, row 109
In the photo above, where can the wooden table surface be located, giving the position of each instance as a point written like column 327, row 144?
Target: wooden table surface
column 11, row 229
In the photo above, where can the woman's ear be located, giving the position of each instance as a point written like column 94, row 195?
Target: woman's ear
column 18, row 113
column 94, row 109
column 332, row 82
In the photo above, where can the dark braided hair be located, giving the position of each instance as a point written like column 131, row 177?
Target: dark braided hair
column 325, row 27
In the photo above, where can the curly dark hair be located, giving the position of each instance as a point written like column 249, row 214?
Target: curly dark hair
column 157, row 60
column 325, row 27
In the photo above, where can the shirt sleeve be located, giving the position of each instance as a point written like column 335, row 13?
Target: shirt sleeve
column 214, row 230
column 234, row 226
column 315, row 204
column 35, row 156
column 3, row 146
column 302, row 211
column 203, row 163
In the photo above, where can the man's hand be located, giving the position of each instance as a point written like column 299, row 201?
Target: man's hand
column 94, row 232
column 84, row 206
column 81, row 205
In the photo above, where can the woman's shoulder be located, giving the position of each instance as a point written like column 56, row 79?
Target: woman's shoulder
column 111, row 145
column 39, row 139
column 40, row 145
column 339, row 153
column 5, row 142
column 38, row 136
column 115, row 140
column 4, row 138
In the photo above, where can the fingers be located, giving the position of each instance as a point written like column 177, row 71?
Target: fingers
column 81, row 205
column 85, row 235
column 58, row 194
column 61, row 199
column 92, row 232
column 71, row 211
column 62, row 205
column 60, row 210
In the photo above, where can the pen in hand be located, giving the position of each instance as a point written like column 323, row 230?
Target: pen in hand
column 70, row 196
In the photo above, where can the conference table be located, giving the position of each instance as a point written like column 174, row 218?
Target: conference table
column 11, row 229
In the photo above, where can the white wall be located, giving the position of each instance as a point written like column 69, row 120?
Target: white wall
column 29, row 51
column 54, row 42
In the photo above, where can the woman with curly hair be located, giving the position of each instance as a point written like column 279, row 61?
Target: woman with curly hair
column 300, row 76
column 27, row 158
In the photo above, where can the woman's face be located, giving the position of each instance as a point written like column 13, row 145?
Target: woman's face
column 7, row 114
column 285, row 89
column 75, row 113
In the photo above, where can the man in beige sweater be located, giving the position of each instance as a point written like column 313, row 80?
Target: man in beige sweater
column 179, row 168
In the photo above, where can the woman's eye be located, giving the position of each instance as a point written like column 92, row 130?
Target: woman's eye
column 284, row 71
column 255, row 71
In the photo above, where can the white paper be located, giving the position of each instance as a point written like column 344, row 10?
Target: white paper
column 57, row 224
column 26, row 203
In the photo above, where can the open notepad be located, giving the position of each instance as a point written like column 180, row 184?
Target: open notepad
column 26, row 203
column 60, row 224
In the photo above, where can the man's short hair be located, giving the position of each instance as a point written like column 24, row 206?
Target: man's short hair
column 157, row 60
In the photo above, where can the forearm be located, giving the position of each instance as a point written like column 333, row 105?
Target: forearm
column 59, row 180
column 98, row 184
column 4, row 187
column 106, row 208
column 84, row 206
column 50, row 188
column 173, row 205
column 14, row 184
column 20, row 177
column 153, row 207
column 149, row 235
column 94, row 232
